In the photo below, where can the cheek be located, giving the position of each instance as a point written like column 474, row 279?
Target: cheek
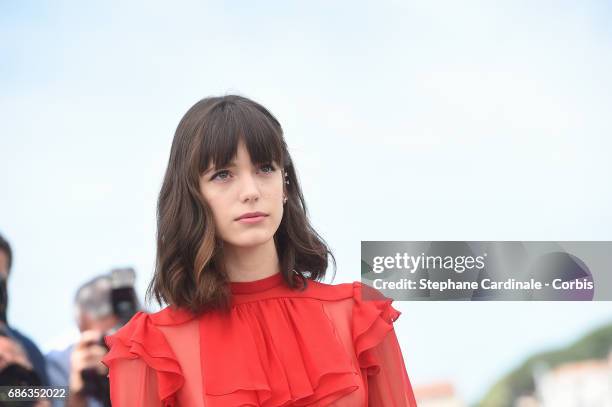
column 217, row 206
column 278, row 208
column 219, row 210
column 275, row 188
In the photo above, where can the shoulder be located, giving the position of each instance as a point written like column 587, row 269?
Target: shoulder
column 356, row 290
column 143, row 328
column 343, row 290
column 325, row 291
column 369, row 305
column 171, row 316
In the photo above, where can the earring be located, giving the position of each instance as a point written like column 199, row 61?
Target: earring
column 286, row 180
column 284, row 199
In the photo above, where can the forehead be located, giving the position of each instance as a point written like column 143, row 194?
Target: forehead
column 226, row 131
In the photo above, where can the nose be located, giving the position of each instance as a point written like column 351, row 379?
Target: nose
column 249, row 190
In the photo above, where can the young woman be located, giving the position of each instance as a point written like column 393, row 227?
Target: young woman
column 248, row 322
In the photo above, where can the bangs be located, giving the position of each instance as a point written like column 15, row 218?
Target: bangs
column 231, row 121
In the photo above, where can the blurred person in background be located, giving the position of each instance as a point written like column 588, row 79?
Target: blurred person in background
column 33, row 353
column 16, row 369
column 102, row 306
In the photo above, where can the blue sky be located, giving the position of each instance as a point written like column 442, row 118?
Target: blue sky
column 407, row 121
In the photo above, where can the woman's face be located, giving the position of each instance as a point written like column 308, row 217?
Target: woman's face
column 242, row 188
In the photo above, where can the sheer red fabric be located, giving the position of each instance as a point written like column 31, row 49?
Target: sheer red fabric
column 324, row 346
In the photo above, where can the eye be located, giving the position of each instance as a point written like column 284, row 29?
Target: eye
column 267, row 168
column 221, row 175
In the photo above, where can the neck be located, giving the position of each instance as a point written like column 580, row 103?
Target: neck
column 244, row 264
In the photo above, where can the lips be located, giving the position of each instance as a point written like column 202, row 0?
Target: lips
column 251, row 215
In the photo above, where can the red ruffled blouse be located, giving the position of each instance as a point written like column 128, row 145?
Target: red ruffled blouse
column 324, row 346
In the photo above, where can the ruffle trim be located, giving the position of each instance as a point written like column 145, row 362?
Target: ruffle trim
column 373, row 317
column 285, row 352
column 141, row 339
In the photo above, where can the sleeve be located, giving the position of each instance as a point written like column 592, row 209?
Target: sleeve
column 133, row 383
column 378, row 351
column 143, row 370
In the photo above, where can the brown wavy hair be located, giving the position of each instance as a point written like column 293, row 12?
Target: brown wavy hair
column 189, row 271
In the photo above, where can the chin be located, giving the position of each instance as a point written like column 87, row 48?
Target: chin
column 253, row 240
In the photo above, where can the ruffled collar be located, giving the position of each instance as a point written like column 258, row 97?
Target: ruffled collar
column 248, row 287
